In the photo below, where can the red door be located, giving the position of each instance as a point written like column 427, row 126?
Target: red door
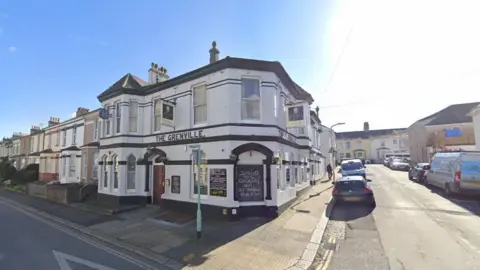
column 158, row 183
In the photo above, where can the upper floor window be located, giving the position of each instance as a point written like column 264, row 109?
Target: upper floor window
column 64, row 138
column 250, row 99
column 118, row 117
column 107, row 122
column 95, row 130
column 157, row 114
column 57, row 139
column 47, row 141
column 32, row 144
column 394, row 141
column 200, row 104
column 133, row 116
column 347, row 145
column 74, row 135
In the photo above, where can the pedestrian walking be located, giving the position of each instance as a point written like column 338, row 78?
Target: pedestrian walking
column 329, row 171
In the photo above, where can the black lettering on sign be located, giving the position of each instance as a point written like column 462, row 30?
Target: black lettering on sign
column 180, row 136
column 249, row 181
column 218, row 182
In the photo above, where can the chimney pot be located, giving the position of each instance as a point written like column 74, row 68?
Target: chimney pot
column 214, row 53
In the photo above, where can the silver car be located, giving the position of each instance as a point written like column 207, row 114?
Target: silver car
column 400, row 164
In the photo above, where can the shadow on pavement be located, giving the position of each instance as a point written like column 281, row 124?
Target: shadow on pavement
column 468, row 202
column 215, row 233
column 348, row 212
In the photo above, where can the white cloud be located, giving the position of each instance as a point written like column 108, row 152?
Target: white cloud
column 12, row 49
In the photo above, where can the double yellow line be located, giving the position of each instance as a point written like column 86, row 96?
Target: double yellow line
column 327, row 257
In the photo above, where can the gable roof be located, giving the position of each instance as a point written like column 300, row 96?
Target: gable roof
column 367, row 134
column 118, row 88
column 453, row 114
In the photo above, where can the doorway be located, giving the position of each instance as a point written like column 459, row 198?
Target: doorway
column 158, row 183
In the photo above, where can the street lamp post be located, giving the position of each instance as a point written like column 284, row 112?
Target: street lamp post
column 332, row 149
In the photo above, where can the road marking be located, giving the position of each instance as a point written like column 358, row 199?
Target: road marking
column 327, row 256
column 63, row 259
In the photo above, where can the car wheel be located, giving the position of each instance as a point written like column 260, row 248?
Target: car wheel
column 447, row 190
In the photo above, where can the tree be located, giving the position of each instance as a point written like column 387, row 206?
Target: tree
column 6, row 169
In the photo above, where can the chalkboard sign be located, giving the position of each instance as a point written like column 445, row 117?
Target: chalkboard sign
column 176, row 184
column 249, row 182
column 218, row 182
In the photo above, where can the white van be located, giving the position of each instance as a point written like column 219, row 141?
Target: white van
column 455, row 172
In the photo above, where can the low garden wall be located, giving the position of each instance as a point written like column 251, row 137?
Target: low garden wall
column 36, row 189
column 63, row 193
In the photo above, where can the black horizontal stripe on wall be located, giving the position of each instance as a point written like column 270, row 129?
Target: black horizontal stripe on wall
column 78, row 155
column 122, row 163
column 208, row 139
column 109, row 162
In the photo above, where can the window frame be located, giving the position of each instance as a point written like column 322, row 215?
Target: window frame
column 130, row 117
column 84, row 166
column 115, row 168
column 71, row 165
column 194, row 87
column 96, row 124
column 74, row 135
column 64, row 137
column 260, row 109
column 107, row 123
column 154, row 113
column 104, row 178
column 131, row 173
column 95, row 156
column 118, row 117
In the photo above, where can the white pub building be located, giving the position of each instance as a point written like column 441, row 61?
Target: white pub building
column 248, row 116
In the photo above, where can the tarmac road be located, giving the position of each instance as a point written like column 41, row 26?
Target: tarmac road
column 412, row 227
column 28, row 243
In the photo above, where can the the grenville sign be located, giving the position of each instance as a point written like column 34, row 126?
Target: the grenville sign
column 179, row 136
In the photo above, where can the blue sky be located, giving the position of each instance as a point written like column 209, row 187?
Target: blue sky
column 58, row 55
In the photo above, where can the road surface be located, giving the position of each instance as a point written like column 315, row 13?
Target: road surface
column 412, row 227
column 28, row 243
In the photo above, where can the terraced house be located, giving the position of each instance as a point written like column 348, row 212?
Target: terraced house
column 50, row 153
column 235, row 110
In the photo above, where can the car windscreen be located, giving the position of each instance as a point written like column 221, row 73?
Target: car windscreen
column 350, row 185
column 352, row 166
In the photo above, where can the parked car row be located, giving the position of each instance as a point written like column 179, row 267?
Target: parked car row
column 453, row 171
column 396, row 163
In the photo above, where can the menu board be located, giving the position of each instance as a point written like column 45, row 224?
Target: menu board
column 218, row 182
column 176, row 184
column 249, row 183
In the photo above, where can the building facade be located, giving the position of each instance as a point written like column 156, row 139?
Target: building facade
column 328, row 145
column 373, row 145
column 234, row 110
column 71, row 139
column 50, row 153
column 450, row 128
column 90, row 148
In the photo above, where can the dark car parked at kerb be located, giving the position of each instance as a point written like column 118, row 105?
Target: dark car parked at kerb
column 354, row 189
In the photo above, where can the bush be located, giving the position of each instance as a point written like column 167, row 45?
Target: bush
column 24, row 176
column 7, row 171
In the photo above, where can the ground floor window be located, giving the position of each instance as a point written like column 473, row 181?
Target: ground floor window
column 72, row 167
column 203, row 182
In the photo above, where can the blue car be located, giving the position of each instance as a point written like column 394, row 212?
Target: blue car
column 353, row 167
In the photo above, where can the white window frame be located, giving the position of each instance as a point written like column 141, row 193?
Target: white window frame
column 96, row 125
column 84, row 166
column 72, row 168
column 105, row 173
column 96, row 154
column 74, row 135
column 64, row 166
column 132, row 119
column 155, row 115
column 57, row 140
column 107, row 128
column 64, row 138
column 115, row 169
column 194, row 88
column 131, row 174
column 259, row 99
column 118, row 117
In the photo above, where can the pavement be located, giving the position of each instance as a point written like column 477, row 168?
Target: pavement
column 287, row 242
column 28, row 243
column 411, row 227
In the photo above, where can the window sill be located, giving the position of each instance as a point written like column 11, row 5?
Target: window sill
column 197, row 125
column 252, row 121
